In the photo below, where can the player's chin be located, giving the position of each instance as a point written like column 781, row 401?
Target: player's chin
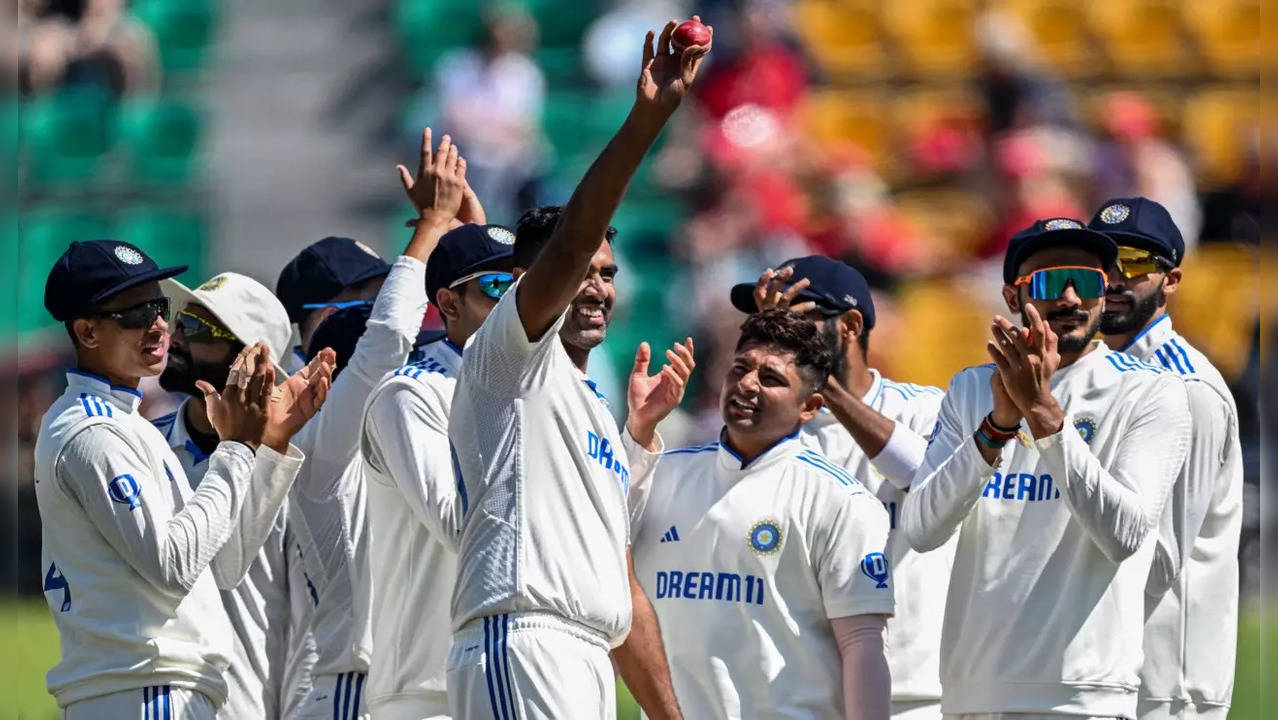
column 586, row 337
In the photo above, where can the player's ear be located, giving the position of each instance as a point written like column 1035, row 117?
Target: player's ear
column 86, row 332
column 1013, row 299
column 1172, row 281
column 850, row 325
column 811, row 406
column 446, row 300
column 518, row 271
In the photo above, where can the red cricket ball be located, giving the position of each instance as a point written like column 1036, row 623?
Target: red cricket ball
column 688, row 33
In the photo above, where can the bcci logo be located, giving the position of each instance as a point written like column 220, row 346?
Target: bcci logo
column 765, row 537
column 1062, row 224
column 875, row 567
column 1115, row 213
column 124, row 490
column 213, row 283
column 1086, row 428
column 501, row 235
column 128, row 255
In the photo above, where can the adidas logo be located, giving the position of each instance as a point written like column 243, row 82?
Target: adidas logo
column 672, row 535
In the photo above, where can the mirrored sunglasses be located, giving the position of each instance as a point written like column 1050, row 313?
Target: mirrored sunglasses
column 197, row 329
column 1134, row 262
column 492, row 284
column 140, row 316
column 1050, row 283
column 339, row 305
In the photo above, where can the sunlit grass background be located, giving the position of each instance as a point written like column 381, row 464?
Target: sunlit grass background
column 33, row 649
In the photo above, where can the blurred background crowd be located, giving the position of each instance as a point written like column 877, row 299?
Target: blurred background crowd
column 909, row 138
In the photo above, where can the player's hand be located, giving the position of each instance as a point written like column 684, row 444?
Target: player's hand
column 666, row 75
column 770, row 291
column 239, row 411
column 651, row 397
column 471, row 211
column 439, row 189
column 1026, row 359
column 297, row 400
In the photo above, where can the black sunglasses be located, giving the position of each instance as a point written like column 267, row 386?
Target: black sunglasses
column 140, row 316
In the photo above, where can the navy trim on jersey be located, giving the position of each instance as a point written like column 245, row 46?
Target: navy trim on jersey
column 449, row 344
column 165, row 423
column 95, row 406
column 505, row 662
column 1123, row 362
column 1141, row 334
column 693, row 449
column 820, row 462
column 723, row 434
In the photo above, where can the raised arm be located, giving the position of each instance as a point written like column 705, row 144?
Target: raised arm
column 552, row 281
column 641, row 659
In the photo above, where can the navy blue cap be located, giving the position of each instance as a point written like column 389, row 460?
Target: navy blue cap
column 1055, row 232
column 1142, row 223
column 325, row 268
column 92, row 271
column 342, row 329
column 833, row 285
column 464, row 250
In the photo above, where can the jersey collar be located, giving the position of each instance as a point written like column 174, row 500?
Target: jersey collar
column 781, row 449
column 1097, row 354
column 83, row 382
column 1154, row 336
column 179, row 438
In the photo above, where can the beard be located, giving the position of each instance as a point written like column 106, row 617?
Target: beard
column 830, row 333
column 1142, row 309
column 1076, row 341
column 182, row 371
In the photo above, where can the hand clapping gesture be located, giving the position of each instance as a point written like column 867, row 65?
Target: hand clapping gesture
column 1025, row 360
column 251, row 410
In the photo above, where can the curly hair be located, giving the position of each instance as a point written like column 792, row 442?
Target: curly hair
column 794, row 333
column 534, row 229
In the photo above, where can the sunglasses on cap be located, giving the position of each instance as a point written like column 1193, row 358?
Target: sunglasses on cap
column 1050, row 283
column 1134, row 262
column 140, row 316
column 492, row 284
column 339, row 305
column 197, row 329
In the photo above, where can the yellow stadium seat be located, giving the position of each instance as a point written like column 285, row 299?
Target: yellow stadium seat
column 1060, row 30
column 1228, row 33
column 838, row 116
column 955, row 222
column 1141, row 37
column 1216, row 127
column 941, row 316
column 844, row 35
column 936, row 37
column 1221, row 281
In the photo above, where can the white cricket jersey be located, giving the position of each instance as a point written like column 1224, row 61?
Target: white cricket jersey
column 328, row 502
column 1191, row 631
column 920, row 579
column 133, row 554
column 543, row 483
column 1046, row 600
column 413, row 519
column 260, row 608
column 747, row 565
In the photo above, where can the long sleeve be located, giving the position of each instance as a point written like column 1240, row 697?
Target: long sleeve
column 1211, row 440
column 330, row 439
column 867, row 679
column 406, row 438
column 1118, row 507
column 132, row 507
column 273, row 475
column 642, row 464
column 949, row 482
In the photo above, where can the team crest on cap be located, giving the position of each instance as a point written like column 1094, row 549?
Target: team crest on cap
column 212, row 283
column 367, row 249
column 128, row 255
column 501, row 235
column 1086, row 428
column 765, row 537
column 1115, row 213
column 1062, row 224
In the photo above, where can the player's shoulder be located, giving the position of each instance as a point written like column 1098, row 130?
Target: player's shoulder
column 1177, row 355
column 970, row 380
column 165, row 423
column 690, row 454
column 811, row 464
column 902, row 401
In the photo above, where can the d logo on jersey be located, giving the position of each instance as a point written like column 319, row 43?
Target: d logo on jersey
column 124, row 490
column 875, row 567
column 765, row 537
column 1086, row 428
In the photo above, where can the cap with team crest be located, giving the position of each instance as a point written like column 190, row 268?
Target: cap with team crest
column 91, row 271
column 244, row 307
column 1055, row 232
column 1142, row 223
column 325, row 268
column 465, row 250
column 833, row 285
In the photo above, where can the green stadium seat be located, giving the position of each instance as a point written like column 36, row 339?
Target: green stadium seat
column 578, row 121
column 162, row 137
column 171, row 236
column 429, row 28
column 561, row 24
column 183, row 29
column 43, row 235
column 66, row 135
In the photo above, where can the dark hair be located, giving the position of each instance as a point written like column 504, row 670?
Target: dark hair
column 533, row 231
column 794, row 333
column 864, row 341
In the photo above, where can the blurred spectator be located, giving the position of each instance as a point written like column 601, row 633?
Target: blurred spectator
column 490, row 102
column 760, row 69
column 1232, row 213
column 84, row 43
column 1018, row 91
column 608, row 45
column 1134, row 160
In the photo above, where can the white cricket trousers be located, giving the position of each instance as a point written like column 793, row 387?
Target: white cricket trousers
column 335, row 697
column 530, row 666
column 158, row 702
column 916, row 710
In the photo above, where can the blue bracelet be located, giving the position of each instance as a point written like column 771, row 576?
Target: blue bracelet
column 987, row 441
